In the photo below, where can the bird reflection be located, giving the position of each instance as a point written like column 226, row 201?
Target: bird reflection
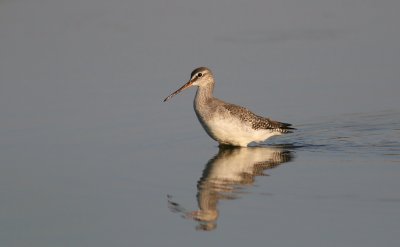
column 226, row 176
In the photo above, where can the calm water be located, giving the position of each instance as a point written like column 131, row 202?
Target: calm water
column 91, row 156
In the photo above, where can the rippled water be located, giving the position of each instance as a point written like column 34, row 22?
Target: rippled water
column 375, row 133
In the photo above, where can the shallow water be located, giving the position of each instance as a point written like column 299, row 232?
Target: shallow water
column 334, row 182
column 91, row 156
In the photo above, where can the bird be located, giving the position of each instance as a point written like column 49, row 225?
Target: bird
column 226, row 123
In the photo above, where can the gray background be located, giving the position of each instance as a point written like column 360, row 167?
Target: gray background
column 88, row 151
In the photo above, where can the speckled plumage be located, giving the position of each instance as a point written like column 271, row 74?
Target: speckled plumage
column 257, row 122
column 227, row 123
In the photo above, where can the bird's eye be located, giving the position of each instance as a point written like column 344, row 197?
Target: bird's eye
column 199, row 74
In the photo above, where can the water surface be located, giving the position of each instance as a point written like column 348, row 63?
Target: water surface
column 91, row 156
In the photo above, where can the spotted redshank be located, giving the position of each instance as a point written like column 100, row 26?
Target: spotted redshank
column 227, row 123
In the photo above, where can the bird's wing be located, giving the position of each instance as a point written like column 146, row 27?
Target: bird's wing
column 255, row 121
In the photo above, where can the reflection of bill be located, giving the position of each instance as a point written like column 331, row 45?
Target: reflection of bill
column 225, row 175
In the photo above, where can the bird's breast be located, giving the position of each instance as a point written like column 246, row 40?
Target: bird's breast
column 225, row 129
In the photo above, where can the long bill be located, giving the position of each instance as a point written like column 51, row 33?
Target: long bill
column 188, row 84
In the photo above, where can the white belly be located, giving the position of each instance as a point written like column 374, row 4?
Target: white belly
column 234, row 132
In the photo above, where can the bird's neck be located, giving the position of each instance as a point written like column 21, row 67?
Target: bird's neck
column 204, row 93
